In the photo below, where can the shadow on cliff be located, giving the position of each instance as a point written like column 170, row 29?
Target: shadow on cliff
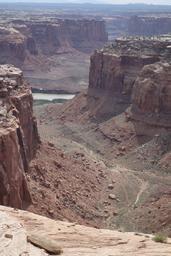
column 103, row 105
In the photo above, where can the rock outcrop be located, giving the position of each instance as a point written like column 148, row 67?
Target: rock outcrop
column 18, row 136
column 152, row 94
column 24, row 228
column 149, row 26
column 114, row 69
column 12, row 46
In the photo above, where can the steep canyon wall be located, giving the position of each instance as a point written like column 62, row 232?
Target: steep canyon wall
column 18, row 136
column 21, row 39
column 114, row 70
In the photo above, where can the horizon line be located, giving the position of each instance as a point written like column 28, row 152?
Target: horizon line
column 74, row 3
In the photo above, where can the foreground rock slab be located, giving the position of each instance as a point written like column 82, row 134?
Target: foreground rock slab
column 16, row 226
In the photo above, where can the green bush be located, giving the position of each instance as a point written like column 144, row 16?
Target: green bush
column 160, row 238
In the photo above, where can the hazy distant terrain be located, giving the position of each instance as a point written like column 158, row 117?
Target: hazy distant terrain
column 87, row 7
column 62, row 71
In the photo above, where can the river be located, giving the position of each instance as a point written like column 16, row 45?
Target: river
column 45, row 98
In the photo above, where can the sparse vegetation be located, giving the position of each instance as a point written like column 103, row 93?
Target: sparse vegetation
column 160, row 238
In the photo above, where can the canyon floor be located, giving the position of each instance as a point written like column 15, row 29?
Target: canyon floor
column 123, row 189
column 67, row 71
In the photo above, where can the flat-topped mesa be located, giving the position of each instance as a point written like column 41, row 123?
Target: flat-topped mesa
column 149, row 26
column 114, row 69
column 151, row 99
column 18, row 136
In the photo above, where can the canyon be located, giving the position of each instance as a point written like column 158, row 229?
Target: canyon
column 112, row 113
column 97, row 167
column 52, row 44
column 44, row 179
column 46, row 46
column 119, row 123
column 50, row 37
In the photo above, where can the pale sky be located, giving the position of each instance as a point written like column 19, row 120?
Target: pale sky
column 167, row 2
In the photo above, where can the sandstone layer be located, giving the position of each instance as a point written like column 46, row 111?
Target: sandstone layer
column 18, row 136
column 69, row 237
column 149, row 26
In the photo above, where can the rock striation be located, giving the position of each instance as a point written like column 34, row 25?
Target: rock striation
column 18, row 136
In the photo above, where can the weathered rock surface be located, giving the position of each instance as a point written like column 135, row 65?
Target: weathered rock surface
column 73, row 239
column 18, row 136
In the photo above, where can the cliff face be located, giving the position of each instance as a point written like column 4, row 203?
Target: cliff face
column 18, row 136
column 151, row 94
column 113, row 72
column 12, row 46
column 23, row 104
column 149, row 26
column 48, row 37
column 83, row 35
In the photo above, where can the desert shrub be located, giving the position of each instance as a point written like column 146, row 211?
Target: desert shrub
column 160, row 238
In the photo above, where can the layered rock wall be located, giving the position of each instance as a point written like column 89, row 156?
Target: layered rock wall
column 21, row 39
column 151, row 95
column 83, row 35
column 149, row 26
column 113, row 72
column 18, row 137
column 133, row 76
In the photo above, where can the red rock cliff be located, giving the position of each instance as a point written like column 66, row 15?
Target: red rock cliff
column 151, row 95
column 18, row 137
column 113, row 72
column 83, row 35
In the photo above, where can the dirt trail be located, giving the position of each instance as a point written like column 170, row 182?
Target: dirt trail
column 143, row 187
